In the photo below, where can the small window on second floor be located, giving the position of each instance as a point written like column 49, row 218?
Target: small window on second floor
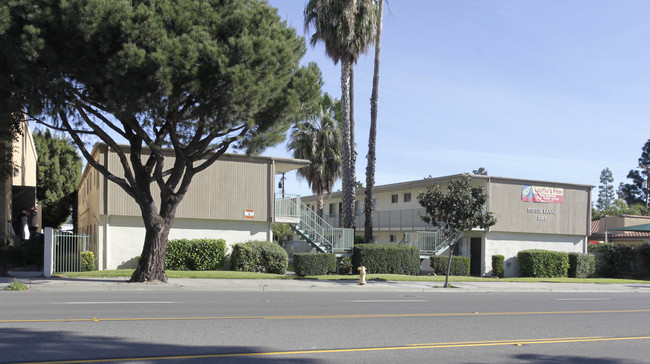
column 393, row 199
column 407, row 197
column 392, row 238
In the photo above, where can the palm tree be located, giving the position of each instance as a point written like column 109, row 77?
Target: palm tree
column 319, row 141
column 346, row 27
column 372, row 138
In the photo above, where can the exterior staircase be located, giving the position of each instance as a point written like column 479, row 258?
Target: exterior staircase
column 429, row 242
column 312, row 228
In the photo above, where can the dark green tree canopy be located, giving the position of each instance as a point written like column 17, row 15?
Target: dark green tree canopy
column 633, row 193
column 460, row 208
column 58, row 170
column 199, row 77
column 480, row 171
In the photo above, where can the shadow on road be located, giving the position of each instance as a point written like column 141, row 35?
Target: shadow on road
column 569, row 359
column 22, row 345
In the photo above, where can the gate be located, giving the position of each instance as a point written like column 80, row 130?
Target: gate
column 67, row 251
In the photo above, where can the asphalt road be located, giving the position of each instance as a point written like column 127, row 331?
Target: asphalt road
column 305, row 327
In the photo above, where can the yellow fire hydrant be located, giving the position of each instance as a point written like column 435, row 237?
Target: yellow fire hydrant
column 362, row 275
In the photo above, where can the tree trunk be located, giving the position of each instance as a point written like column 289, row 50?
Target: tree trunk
column 451, row 252
column 151, row 266
column 348, row 180
column 319, row 205
column 372, row 139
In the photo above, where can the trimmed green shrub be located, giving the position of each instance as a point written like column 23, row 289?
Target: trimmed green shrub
column 259, row 256
column 87, row 261
column 543, row 263
column 195, row 254
column 314, row 264
column 618, row 261
column 387, row 258
column 581, row 265
column 459, row 265
column 497, row 266
column 345, row 265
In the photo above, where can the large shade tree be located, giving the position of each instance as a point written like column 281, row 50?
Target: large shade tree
column 347, row 29
column 58, row 170
column 197, row 77
column 318, row 140
column 458, row 209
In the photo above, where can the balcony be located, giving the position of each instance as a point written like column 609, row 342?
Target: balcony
column 392, row 220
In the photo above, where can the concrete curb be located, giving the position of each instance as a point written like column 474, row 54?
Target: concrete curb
column 270, row 285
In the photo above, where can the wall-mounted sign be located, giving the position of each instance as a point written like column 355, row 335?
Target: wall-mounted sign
column 542, row 194
column 249, row 214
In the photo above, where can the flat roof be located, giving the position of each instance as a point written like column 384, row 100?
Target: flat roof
column 438, row 180
column 282, row 164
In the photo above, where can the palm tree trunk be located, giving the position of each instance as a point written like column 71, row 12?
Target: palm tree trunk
column 372, row 139
column 348, row 170
column 319, row 204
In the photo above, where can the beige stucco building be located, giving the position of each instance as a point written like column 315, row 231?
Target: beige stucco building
column 530, row 215
column 233, row 199
column 19, row 191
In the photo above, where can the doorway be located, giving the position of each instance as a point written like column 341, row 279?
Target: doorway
column 475, row 257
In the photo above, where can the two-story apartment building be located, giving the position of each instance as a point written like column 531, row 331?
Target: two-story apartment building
column 530, row 215
column 233, row 199
column 18, row 191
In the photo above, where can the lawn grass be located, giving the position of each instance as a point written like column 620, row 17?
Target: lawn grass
column 223, row 274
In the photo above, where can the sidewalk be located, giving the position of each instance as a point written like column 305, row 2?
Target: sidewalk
column 252, row 285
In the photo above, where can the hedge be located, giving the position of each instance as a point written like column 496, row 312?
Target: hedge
column 314, row 264
column 622, row 261
column 497, row 266
column 543, row 263
column 459, row 265
column 387, row 258
column 581, row 265
column 259, row 256
column 195, row 254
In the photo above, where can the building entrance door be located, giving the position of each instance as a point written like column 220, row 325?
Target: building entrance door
column 475, row 257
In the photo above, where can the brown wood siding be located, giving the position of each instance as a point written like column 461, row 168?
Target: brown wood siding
column 222, row 192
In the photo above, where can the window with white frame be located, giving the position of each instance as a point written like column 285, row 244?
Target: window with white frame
column 407, row 197
column 393, row 198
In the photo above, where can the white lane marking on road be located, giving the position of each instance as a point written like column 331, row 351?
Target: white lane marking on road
column 112, row 302
column 583, row 299
column 387, row 301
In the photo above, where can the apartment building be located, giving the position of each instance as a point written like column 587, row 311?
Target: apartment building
column 530, row 215
column 233, row 199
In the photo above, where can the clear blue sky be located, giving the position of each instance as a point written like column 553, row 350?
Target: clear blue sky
column 543, row 90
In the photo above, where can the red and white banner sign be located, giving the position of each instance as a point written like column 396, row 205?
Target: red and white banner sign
column 542, row 194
